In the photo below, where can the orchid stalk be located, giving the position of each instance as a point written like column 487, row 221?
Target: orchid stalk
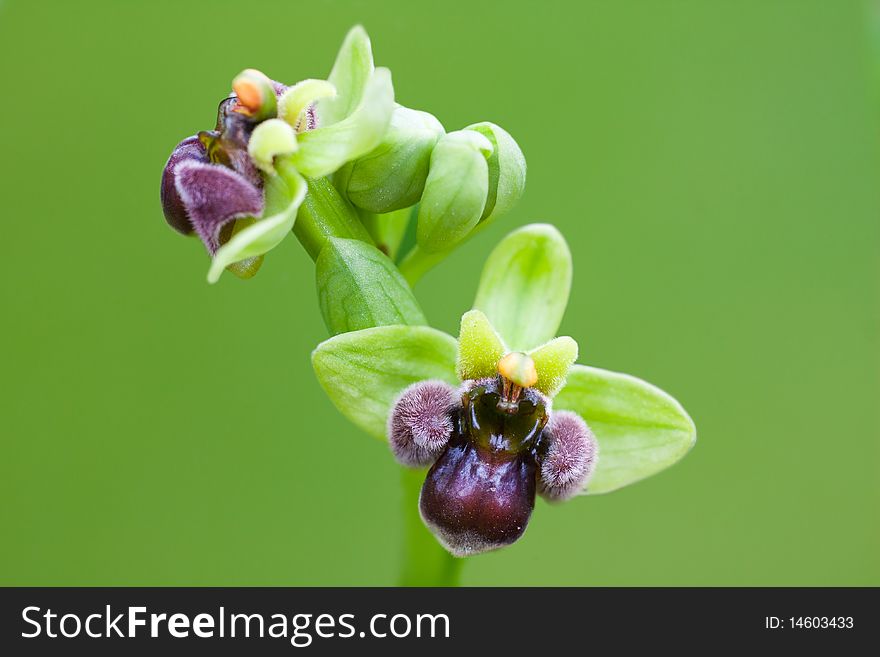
column 482, row 422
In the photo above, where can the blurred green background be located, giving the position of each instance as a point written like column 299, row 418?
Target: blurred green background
column 714, row 166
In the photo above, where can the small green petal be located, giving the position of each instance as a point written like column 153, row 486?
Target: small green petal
column 295, row 100
column 284, row 194
column 479, row 347
column 525, row 284
column 552, row 362
column 352, row 69
column 640, row 429
column 507, row 170
column 455, row 191
column 363, row 372
column 359, row 287
column 271, row 139
column 326, row 148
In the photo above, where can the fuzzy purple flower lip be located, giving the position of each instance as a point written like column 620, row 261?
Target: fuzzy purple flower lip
column 210, row 181
column 490, row 453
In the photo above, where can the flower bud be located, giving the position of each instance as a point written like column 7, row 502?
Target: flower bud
column 455, row 191
column 392, row 176
column 479, row 494
column 507, row 170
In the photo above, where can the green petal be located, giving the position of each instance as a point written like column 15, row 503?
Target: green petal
column 284, row 194
column 525, row 284
column 363, row 372
column 352, row 69
column 507, row 170
column 271, row 139
column 324, row 149
column 552, row 362
column 479, row 347
column 359, row 287
column 455, row 190
column 296, row 99
column 640, row 429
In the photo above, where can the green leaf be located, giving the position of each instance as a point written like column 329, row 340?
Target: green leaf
column 640, row 429
column 455, row 191
column 284, row 194
column 507, row 170
column 392, row 176
column 552, row 362
column 525, row 284
column 479, row 347
column 324, row 149
column 352, row 69
column 359, row 287
column 363, row 372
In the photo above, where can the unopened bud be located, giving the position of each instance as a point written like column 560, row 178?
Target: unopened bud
column 392, row 176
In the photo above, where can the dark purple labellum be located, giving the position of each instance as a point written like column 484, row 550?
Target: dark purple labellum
column 190, row 148
column 480, row 492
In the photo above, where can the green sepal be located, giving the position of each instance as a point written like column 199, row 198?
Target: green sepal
column 326, row 148
column 640, row 429
column 525, row 284
column 363, row 372
column 351, row 70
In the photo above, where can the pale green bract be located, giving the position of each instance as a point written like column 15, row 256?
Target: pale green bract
column 284, row 194
column 359, row 287
column 525, row 284
column 640, row 429
column 363, row 372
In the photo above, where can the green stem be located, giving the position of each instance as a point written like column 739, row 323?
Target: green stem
column 323, row 214
column 424, row 561
column 417, row 263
